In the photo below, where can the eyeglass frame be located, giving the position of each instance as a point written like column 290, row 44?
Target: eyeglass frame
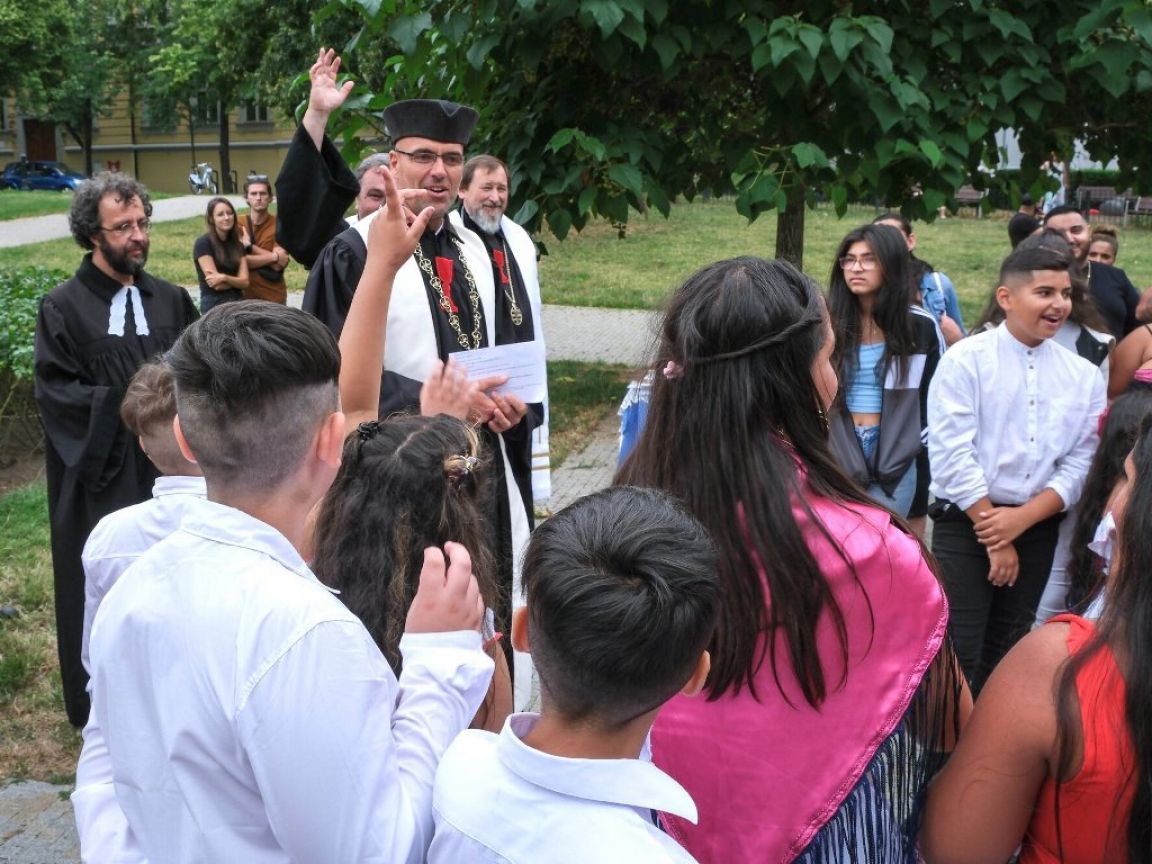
column 420, row 157
column 848, row 262
column 124, row 229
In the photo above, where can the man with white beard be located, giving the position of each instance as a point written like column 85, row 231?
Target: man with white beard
column 484, row 190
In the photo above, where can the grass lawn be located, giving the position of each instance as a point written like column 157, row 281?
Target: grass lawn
column 596, row 268
column 169, row 255
column 37, row 741
column 15, row 204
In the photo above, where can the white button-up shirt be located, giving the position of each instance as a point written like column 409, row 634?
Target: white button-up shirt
column 250, row 717
column 121, row 537
column 1007, row 420
column 114, row 544
column 499, row 800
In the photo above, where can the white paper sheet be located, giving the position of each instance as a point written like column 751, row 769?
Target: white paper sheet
column 522, row 362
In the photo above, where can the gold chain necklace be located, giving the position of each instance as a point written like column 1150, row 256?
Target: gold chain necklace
column 446, row 303
column 509, row 290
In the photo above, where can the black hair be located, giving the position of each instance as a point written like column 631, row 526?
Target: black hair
column 1125, row 414
column 1061, row 211
column 1047, row 250
column 1126, row 631
column 254, row 381
column 739, row 436
column 890, row 307
column 84, row 214
column 1020, row 227
column 621, row 595
column 227, row 252
column 405, row 483
column 918, row 268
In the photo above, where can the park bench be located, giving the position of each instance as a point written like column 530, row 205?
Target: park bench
column 970, row 196
column 1141, row 207
column 1088, row 197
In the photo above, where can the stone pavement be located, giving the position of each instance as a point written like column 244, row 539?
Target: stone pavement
column 36, row 825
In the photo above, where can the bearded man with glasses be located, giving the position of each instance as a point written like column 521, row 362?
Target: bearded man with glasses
column 92, row 333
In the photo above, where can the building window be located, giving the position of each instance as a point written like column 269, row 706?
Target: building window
column 207, row 109
column 156, row 116
column 253, row 112
column 3, row 114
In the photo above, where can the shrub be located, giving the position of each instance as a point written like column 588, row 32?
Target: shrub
column 20, row 292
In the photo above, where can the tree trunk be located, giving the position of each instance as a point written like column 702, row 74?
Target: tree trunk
column 88, row 122
column 226, row 185
column 790, row 228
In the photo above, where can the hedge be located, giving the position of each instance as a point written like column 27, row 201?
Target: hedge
column 20, row 292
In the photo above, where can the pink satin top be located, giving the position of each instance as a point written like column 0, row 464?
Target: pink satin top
column 766, row 775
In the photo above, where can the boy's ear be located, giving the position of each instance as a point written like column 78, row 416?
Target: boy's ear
column 330, row 439
column 699, row 675
column 1004, row 297
column 520, row 630
column 181, row 441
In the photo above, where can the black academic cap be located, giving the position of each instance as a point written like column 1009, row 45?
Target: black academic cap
column 434, row 119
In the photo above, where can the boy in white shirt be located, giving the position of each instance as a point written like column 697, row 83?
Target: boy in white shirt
column 116, row 542
column 621, row 597
column 1012, row 421
column 248, row 715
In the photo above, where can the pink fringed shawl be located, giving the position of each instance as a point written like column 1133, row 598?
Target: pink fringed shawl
column 766, row 775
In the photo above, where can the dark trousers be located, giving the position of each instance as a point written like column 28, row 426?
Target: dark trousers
column 985, row 620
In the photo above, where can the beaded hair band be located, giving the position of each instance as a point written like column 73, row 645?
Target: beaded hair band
column 673, row 370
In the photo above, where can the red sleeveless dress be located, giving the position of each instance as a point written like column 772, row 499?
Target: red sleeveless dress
column 1093, row 805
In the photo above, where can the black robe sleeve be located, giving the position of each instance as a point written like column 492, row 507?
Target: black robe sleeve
column 333, row 280
column 81, row 418
column 314, row 188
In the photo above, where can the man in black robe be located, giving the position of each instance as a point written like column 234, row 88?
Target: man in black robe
column 442, row 303
column 92, row 333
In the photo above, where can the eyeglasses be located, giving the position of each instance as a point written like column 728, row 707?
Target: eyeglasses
column 865, row 262
column 126, row 228
column 429, row 157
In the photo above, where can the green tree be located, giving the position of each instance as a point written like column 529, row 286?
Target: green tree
column 605, row 106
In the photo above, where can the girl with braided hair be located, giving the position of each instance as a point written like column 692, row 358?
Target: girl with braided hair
column 832, row 694
column 406, row 483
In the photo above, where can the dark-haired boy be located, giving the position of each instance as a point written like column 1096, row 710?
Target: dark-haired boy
column 1012, row 422
column 621, row 596
column 248, row 715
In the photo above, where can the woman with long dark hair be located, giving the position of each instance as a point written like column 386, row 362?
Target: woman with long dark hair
column 1058, row 754
column 886, row 353
column 219, row 257
column 1087, row 568
column 832, row 692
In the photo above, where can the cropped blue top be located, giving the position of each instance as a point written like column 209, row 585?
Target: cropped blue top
column 866, row 385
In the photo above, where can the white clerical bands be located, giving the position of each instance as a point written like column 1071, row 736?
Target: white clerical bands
column 119, row 310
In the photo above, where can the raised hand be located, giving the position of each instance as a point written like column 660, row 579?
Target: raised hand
column 447, row 598
column 326, row 95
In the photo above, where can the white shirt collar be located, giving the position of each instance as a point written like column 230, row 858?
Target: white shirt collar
column 630, row 782
column 179, row 485
column 231, row 527
column 1005, row 336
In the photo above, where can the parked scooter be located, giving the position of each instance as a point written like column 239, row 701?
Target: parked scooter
column 202, row 178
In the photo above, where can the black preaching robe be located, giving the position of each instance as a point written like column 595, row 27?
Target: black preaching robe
column 93, row 463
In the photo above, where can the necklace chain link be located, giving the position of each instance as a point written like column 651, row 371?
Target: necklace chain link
column 445, row 303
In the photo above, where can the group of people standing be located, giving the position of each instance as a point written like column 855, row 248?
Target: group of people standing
column 744, row 651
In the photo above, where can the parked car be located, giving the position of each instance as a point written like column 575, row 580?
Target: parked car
column 41, row 175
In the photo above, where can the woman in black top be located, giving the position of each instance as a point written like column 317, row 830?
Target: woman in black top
column 219, row 257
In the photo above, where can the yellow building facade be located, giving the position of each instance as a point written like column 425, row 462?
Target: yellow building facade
column 159, row 156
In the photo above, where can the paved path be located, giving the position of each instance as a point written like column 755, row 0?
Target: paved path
column 36, row 229
column 36, row 825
